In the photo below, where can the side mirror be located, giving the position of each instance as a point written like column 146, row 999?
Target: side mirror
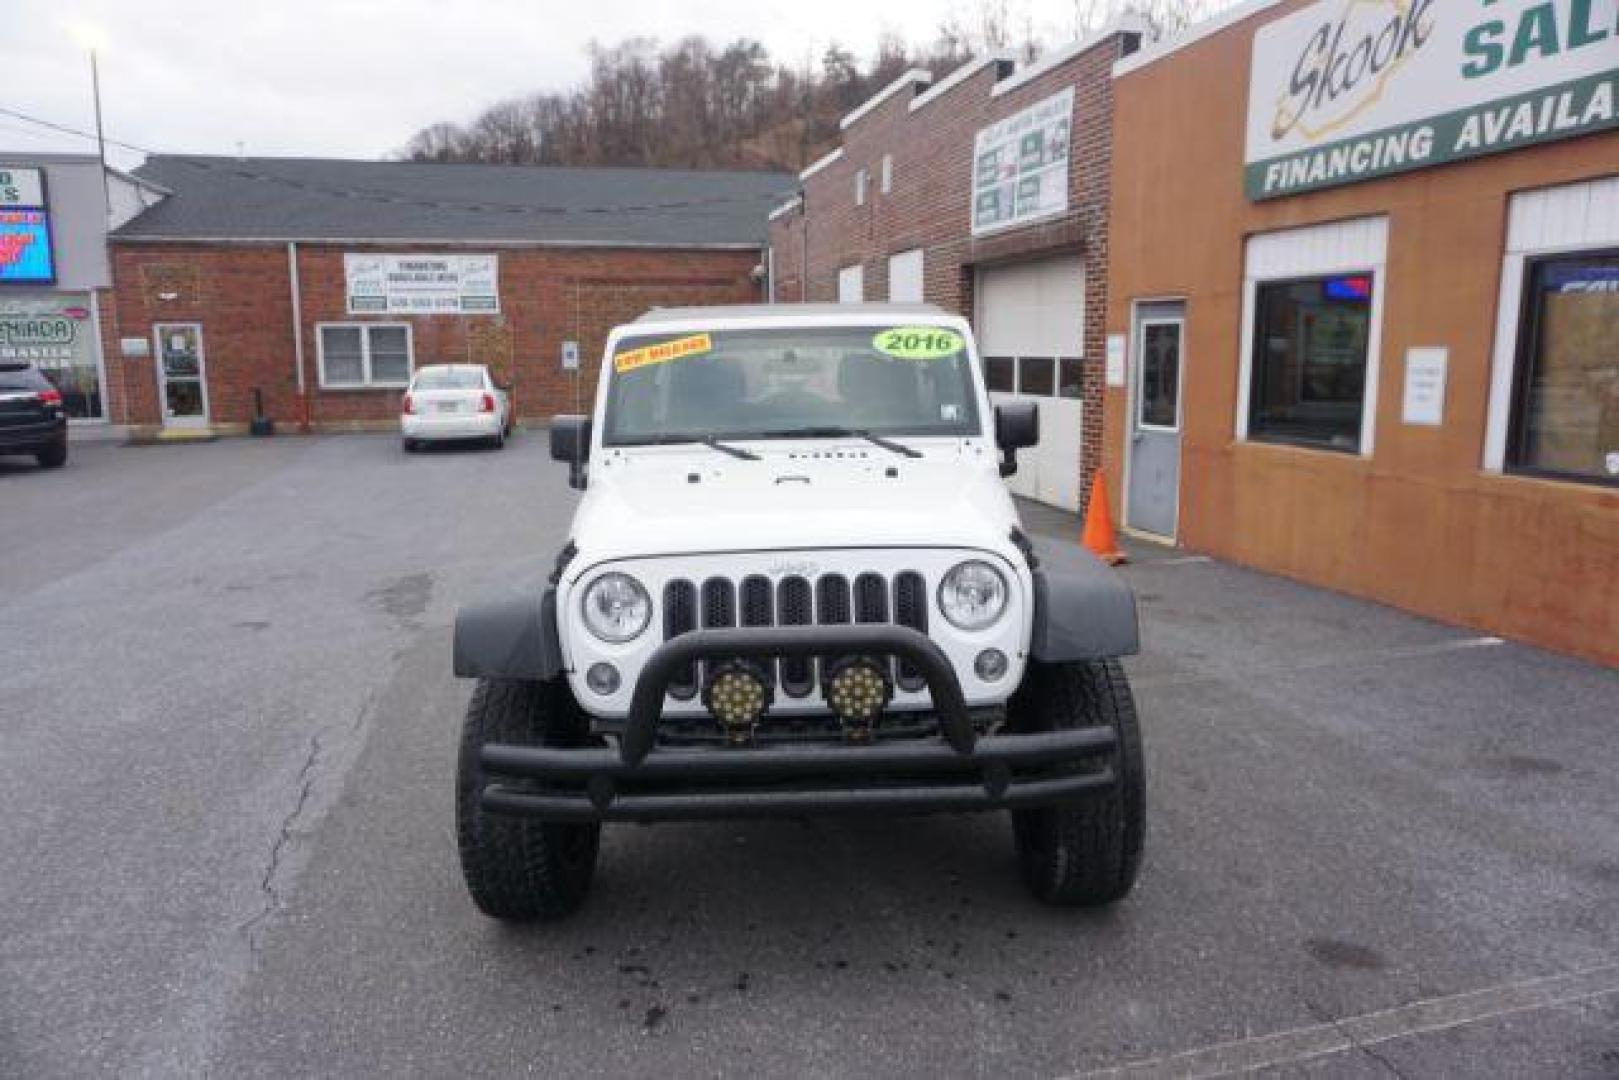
column 1017, row 425
column 570, row 442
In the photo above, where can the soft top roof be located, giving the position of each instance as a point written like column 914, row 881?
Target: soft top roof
column 730, row 312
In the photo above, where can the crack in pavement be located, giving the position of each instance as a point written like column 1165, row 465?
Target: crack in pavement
column 305, row 782
column 268, row 885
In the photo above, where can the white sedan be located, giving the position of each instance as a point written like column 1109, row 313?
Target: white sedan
column 454, row 401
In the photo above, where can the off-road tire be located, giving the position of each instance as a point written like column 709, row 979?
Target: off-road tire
column 519, row 870
column 53, row 456
column 408, row 445
column 1084, row 853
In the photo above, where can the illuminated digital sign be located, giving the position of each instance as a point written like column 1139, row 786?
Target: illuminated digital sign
column 25, row 229
column 1349, row 288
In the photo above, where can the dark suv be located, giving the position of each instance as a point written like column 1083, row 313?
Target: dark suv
column 32, row 420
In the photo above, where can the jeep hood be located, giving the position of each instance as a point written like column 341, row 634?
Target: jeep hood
column 655, row 507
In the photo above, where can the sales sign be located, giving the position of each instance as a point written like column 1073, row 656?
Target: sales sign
column 25, row 229
column 1020, row 166
column 1348, row 90
column 422, row 284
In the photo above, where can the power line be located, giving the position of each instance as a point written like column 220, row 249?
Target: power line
column 384, row 195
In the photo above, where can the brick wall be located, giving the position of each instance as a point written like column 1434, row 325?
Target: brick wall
column 931, row 202
column 241, row 295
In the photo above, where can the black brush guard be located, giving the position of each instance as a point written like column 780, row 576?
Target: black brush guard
column 953, row 772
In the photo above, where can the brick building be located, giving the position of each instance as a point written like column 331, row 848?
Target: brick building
column 986, row 193
column 55, row 279
column 321, row 284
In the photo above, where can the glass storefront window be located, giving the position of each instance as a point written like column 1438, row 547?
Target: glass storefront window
column 1310, row 352
column 1566, row 407
column 56, row 332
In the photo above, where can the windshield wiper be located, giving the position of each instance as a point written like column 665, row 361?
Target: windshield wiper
column 726, row 448
column 709, row 441
column 843, row 433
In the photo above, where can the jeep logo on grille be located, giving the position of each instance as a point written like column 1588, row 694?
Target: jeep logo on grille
column 793, row 569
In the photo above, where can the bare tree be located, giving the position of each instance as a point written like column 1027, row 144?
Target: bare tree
column 699, row 104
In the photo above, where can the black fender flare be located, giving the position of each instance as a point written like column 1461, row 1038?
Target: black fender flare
column 1083, row 609
column 511, row 637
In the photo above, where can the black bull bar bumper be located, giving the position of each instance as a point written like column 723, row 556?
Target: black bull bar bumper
column 956, row 771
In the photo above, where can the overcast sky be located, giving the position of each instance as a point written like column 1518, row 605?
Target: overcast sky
column 356, row 78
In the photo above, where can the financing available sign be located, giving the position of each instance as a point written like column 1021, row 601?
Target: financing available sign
column 1020, row 165
column 422, row 284
column 1348, row 90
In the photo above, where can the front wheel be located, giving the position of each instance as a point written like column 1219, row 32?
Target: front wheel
column 53, row 456
column 519, row 870
column 1085, row 853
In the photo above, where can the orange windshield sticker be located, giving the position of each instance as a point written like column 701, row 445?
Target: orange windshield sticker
column 662, row 353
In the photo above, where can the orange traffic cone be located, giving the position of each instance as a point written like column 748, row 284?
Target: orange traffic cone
column 1098, row 536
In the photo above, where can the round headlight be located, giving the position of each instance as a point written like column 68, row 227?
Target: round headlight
column 616, row 607
column 972, row 595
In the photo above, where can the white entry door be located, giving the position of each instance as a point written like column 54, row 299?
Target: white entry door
column 1152, row 499
column 1030, row 322
column 181, row 374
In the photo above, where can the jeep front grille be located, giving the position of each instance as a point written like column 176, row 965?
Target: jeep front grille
column 794, row 601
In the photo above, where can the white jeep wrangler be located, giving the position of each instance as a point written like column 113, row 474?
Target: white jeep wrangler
column 797, row 585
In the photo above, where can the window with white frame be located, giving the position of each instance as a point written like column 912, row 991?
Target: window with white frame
column 861, row 179
column 851, row 284
column 1312, row 312
column 361, row 355
column 1565, row 402
column 905, row 284
column 888, row 173
column 1311, row 340
column 1554, row 393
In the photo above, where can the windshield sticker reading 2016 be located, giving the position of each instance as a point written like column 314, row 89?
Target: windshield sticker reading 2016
column 662, row 353
column 918, row 343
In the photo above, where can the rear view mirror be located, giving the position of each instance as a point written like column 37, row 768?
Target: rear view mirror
column 570, row 442
column 1017, row 425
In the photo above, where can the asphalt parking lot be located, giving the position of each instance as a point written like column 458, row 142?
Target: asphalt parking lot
column 1377, row 845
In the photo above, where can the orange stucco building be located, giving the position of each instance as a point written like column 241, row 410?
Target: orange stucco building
column 1363, row 315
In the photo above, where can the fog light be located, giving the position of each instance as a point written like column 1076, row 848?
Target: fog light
column 737, row 695
column 990, row 665
column 857, row 690
column 603, row 679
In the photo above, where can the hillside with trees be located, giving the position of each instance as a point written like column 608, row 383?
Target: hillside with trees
column 700, row 104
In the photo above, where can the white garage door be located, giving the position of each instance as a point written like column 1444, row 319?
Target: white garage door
column 1031, row 329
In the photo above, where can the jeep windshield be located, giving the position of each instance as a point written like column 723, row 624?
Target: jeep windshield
column 791, row 382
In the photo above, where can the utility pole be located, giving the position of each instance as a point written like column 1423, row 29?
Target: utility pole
column 101, row 141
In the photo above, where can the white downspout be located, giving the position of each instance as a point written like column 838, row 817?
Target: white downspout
column 297, row 330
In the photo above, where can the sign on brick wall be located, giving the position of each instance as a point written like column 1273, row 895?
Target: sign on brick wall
column 1020, row 165
column 422, row 284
